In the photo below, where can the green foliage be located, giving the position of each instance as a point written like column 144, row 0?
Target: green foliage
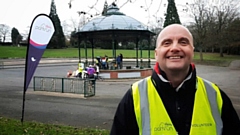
column 58, row 39
column 145, row 46
column 15, row 35
column 232, row 36
column 172, row 14
column 130, row 45
column 104, row 44
column 73, row 39
column 15, row 127
column 104, row 12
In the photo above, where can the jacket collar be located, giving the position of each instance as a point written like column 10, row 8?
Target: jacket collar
column 162, row 75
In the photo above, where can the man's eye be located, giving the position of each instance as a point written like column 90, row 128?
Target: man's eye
column 166, row 43
column 183, row 42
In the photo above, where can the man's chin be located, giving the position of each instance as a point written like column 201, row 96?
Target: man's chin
column 176, row 68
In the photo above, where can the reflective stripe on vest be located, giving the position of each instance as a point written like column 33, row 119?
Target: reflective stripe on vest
column 148, row 105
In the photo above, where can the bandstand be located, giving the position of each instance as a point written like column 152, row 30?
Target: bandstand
column 115, row 27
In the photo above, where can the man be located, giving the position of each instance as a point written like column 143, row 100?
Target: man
column 174, row 100
column 118, row 60
column 121, row 59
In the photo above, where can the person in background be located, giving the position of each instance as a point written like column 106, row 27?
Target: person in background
column 118, row 60
column 90, row 72
column 69, row 73
column 104, row 63
column 91, row 75
column 107, row 66
column 174, row 100
column 76, row 73
column 98, row 61
column 97, row 70
column 72, row 73
column 84, row 73
column 121, row 61
column 80, row 70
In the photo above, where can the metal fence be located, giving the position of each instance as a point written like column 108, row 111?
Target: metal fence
column 65, row 85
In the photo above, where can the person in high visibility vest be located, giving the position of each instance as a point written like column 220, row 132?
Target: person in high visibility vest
column 174, row 100
column 80, row 69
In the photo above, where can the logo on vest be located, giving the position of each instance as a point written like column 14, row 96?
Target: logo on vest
column 202, row 125
column 164, row 126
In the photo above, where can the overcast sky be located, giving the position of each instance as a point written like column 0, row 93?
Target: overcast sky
column 20, row 13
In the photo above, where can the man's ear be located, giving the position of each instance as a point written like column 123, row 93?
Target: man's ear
column 193, row 52
column 155, row 53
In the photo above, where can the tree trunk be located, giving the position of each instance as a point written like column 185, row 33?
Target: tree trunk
column 228, row 50
column 221, row 51
column 201, row 55
column 238, row 50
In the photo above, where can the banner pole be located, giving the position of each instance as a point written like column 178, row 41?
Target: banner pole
column 23, row 105
column 25, row 86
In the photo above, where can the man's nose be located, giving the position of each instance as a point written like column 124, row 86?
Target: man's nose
column 175, row 46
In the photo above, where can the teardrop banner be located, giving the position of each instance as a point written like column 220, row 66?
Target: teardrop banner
column 41, row 32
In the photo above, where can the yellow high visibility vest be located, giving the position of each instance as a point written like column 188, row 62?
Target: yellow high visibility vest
column 153, row 119
column 80, row 67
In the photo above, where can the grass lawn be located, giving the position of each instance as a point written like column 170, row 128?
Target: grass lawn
column 15, row 127
column 20, row 52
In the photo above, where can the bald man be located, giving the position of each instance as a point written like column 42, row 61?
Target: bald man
column 174, row 100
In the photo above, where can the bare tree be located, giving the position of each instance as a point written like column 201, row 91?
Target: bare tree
column 224, row 12
column 66, row 28
column 74, row 24
column 232, row 34
column 211, row 19
column 4, row 31
column 198, row 11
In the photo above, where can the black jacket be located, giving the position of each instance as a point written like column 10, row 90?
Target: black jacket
column 179, row 106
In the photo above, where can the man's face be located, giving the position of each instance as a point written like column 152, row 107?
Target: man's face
column 174, row 49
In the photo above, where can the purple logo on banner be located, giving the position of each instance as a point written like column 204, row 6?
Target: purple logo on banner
column 41, row 32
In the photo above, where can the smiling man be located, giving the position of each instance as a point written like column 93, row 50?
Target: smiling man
column 174, row 100
column 174, row 52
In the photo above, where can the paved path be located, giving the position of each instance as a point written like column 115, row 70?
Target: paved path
column 98, row 111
